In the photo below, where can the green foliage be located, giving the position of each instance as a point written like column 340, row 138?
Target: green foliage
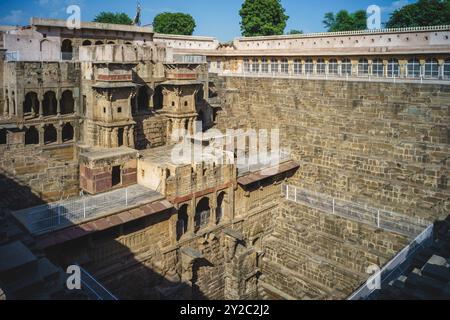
column 345, row 21
column 174, row 23
column 115, row 18
column 295, row 31
column 421, row 14
column 262, row 18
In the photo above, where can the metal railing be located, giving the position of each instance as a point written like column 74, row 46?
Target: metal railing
column 443, row 76
column 45, row 218
column 379, row 218
column 189, row 58
column 12, row 56
column 395, row 267
column 94, row 289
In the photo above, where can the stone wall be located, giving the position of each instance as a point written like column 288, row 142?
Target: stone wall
column 378, row 143
column 30, row 175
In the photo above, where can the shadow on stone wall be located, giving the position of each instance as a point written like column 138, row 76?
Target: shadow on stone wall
column 15, row 194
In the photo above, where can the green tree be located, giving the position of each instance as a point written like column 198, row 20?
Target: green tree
column 295, row 31
column 345, row 21
column 116, row 18
column 262, row 18
column 421, row 14
column 174, row 23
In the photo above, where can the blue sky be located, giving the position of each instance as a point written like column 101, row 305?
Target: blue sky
column 219, row 18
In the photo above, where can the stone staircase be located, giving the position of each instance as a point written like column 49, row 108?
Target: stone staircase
column 428, row 276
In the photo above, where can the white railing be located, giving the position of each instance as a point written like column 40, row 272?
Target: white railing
column 51, row 216
column 379, row 218
column 442, row 78
column 395, row 267
column 189, row 58
column 12, row 56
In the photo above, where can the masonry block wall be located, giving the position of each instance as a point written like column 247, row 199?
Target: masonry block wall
column 381, row 144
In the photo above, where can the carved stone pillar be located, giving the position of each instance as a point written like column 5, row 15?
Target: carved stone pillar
column 58, row 102
column 131, row 137
column 125, row 136
column 33, row 103
column 114, row 138
column 41, row 107
column 41, row 135
column 213, row 207
column 59, row 134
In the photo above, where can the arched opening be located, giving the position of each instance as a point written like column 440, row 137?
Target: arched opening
column 346, row 67
column 264, row 65
column 158, row 98
column 363, row 67
column 2, row 136
column 31, row 103
column 183, row 220
column 86, row 43
column 378, row 68
column 67, row 132
column 431, row 69
column 309, row 66
column 446, row 72
column 67, row 102
column 333, row 66
column 31, row 136
column 128, row 42
column 393, row 68
column 143, row 99
column 320, row 66
column 255, row 65
column 202, row 214
column 413, row 68
column 66, row 50
column 50, row 134
column 120, row 137
column 274, row 66
column 98, row 42
column 111, row 42
column 49, row 103
column 220, row 210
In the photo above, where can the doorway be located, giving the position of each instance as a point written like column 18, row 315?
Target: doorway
column 116, row 176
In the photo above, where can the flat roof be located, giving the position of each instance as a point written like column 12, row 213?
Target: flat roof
column 60, row 23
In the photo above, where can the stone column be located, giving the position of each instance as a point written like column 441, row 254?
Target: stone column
column 114, row 138
column 213, row 206
column 125, row 136
column 41, row 135
column 59, row 134
column 58, row 102
column 33, row 103
column 131, row 137
column 191, row 215
column 41, row 106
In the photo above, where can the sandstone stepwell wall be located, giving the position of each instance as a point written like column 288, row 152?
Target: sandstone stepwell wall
column 382, row 144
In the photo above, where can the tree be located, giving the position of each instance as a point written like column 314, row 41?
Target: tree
column 115, row 18
column 345, row 21
column 262, row 18
column 174, row 23
column 421, row 14
column 295, row 31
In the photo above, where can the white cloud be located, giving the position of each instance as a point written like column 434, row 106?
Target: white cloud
column 395, row 6
column 13, row 17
